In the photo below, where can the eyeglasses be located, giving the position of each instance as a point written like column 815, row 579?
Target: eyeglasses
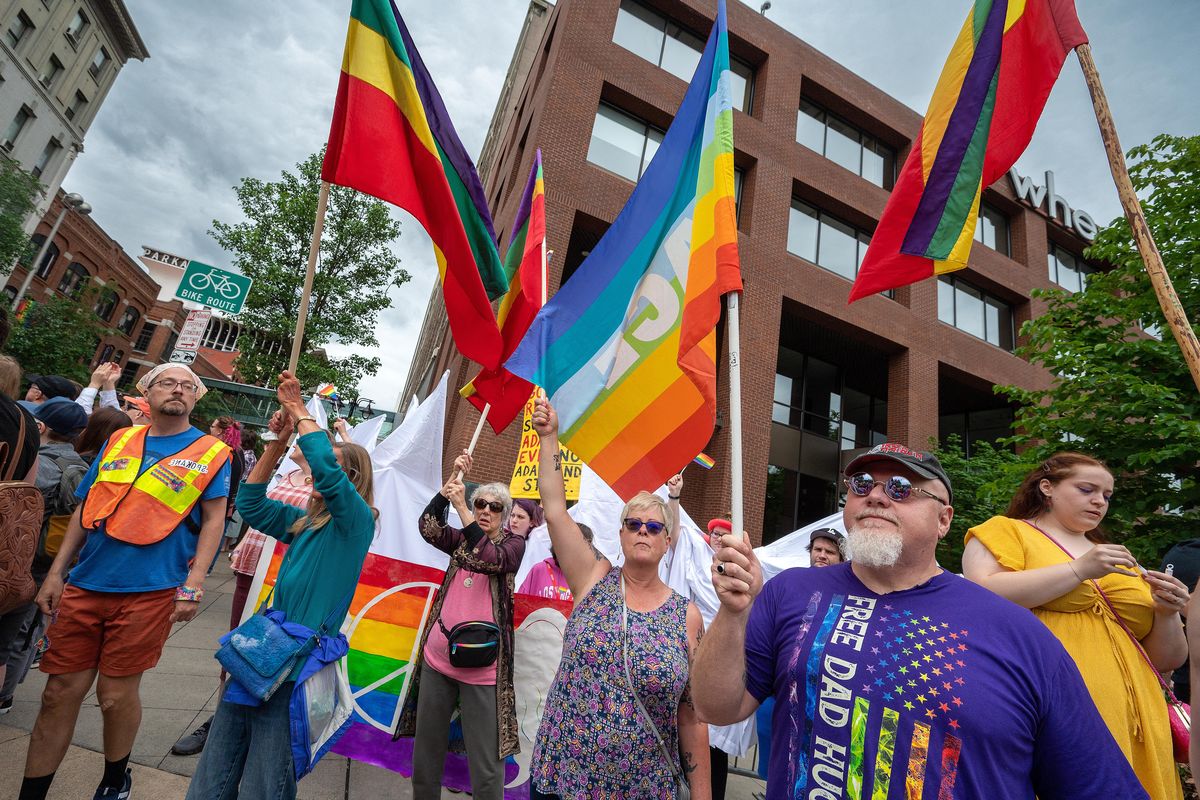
column 170, row 383
column 654, row 528
column 897, row 487
column 481, row 504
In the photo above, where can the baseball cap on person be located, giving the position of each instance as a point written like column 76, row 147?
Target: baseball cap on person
column 140, row 403
column 65, row 419
column 833, row 534
column 924, row 464
column 54, row 386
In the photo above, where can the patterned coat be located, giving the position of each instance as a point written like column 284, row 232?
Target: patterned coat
column 499, row 561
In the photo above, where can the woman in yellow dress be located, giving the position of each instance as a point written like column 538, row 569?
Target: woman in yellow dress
column 1049, row 555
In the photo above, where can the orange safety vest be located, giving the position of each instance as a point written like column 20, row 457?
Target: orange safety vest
column 145, row 509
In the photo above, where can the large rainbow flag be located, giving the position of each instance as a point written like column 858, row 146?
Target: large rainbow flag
column 627, row 348
column 980, row 119
column 391, row 137
column 525, row 265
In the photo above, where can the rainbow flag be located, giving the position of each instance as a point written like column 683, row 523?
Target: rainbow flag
column 328, row 391
column 392, row 138
column 980, row 119
column 704, row 461
column 627, row 348
column 525, row 266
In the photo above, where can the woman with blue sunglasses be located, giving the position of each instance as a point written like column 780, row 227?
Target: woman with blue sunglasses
column 619, row 719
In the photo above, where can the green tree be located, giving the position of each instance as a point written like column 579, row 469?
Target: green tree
column 19, row 191
column 983, row 485
column 1118, row 394
column 58, row 336
column 356, row 271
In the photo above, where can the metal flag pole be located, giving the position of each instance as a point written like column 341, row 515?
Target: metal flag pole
column 1168, row 300
column 314, row 247
column 735, row 414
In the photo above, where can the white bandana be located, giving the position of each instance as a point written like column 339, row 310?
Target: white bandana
column 144, row 382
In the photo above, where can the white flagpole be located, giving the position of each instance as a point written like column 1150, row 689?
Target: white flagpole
column 475, row 436
column 735, row 414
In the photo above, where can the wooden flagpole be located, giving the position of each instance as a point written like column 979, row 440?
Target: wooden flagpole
column 1168, row 300
column 735, row 414
column 314, row 247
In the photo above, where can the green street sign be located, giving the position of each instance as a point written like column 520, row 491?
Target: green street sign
column 213, row 287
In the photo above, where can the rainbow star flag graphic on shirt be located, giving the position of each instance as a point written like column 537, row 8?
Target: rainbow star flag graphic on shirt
column 392, row 138
column 627, row 348
column 980, row 119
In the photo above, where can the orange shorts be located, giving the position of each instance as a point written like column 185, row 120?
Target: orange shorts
column 121, row 633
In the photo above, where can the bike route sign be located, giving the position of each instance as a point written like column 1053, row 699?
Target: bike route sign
column 213, row 287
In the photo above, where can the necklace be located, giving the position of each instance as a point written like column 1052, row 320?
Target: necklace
column 468, row 581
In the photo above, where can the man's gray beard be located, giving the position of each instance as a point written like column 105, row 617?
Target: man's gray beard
column 872, row 548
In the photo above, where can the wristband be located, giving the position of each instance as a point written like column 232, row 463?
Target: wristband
column 189, row 594
column 673, row 497
column 310, row 419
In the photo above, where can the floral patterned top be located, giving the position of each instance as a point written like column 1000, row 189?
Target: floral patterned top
column 593, row 742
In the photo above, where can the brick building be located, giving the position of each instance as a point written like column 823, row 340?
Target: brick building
column 84, row 262
column 594, row 84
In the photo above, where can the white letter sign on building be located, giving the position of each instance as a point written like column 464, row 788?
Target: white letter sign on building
column 1035, row 195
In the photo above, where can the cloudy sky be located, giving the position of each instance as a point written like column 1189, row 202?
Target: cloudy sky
column 235, row 89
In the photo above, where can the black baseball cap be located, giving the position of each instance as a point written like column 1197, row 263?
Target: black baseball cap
column 64, row 418
column 54, row 386
column 924, row 464
column 833, row 534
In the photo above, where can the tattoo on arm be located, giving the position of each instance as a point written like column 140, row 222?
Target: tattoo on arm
column 558, row 462
column 689, row 764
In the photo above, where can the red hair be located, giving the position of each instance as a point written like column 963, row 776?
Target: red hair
column 1029, row 501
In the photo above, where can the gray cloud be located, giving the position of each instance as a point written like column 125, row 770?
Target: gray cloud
column 236, row 89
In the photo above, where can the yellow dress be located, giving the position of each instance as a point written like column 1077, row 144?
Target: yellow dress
column 1120, row 681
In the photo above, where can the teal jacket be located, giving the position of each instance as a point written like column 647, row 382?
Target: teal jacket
column 322, row 566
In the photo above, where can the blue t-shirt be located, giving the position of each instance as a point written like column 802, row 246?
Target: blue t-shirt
column 941, row 691
column 109, row 565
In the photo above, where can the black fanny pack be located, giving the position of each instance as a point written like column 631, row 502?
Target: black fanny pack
column 472, row 644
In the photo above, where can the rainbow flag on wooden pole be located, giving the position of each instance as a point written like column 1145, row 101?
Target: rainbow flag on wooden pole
column 392, row 138
column 626, row 349
column 980, row 119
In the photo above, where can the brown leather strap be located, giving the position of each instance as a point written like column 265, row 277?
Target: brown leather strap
column 15, row 452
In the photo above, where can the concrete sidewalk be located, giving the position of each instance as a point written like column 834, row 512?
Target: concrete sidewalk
column 177, row 696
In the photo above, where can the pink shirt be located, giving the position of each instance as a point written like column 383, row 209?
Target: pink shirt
column 462, row 604
column 546, row 580
column 245, row 560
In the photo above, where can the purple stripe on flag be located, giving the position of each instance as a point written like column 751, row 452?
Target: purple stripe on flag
column 961, row 127
column 443, row 128
column 527, row 197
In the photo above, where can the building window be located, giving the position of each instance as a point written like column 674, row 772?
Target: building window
column 48, row 153
column 128, row 320
column 144, row 337
column 16, row 126
column 99, row 62
column 622, row 144
column 128, row 373
column 973, row 427
column 118, row 356
column 78, row 104
column 975, row 312
column 166, row 351
column 79, row 24
column 105, row 354
column 47, row 260
column 825, row 240
column 74, row 280
column 54, row 68
column 844, row 144
column 1067, row 269
column 106, row 304
column 991, row 229
column 677, row 50
column 20, row 28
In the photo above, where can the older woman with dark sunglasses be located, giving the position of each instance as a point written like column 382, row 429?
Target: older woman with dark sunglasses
column 619, row 717
column 466, row 648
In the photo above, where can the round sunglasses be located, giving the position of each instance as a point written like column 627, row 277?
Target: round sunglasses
column 481, row 504
column 897, row 487
column 654, row 528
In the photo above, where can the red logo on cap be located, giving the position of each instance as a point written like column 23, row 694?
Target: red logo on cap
column 897, row 449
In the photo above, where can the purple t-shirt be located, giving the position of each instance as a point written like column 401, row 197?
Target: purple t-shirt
column 941, row 691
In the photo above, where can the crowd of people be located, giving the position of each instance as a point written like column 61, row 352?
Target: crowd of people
column 876, row 672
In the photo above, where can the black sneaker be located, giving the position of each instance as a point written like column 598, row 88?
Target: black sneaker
column 116, row 794
column 5, row 705
column 194, row 742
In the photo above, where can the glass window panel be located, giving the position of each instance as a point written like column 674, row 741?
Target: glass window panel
column 838, row 247
column 653, row 140
column 878, row 423
column 639, row 30
column 781, row 409
column 945, row 301
column 780, row 506
column 681, row 52
column 802, row 232
column 872, row 166
column 820, row 388
column 968, row 310
column 810, row 127
column 864, row 241
column 1000, row 222
column 842, row 145
column 617, row 143
column 741, row 84
column 985, row 231
column 889, row 166
column 991, row 319
column 1005, row 336
column 1052, row 266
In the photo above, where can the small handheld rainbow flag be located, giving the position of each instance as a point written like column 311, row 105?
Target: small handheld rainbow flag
column 328, row 391
column 704, row 461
